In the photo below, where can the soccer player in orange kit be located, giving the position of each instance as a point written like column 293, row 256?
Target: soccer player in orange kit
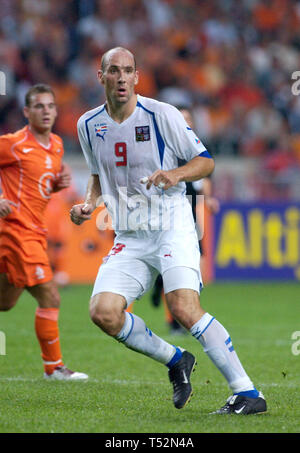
column 31, row 169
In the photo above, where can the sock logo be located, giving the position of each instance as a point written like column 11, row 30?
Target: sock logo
column 149, row 331
column 228, row 343
column 53, row 341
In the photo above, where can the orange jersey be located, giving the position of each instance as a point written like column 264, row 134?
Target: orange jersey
column 28, row 171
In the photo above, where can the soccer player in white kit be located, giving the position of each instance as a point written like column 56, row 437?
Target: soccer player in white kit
column 131, row 145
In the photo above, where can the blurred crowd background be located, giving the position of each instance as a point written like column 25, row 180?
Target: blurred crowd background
column 230, row 61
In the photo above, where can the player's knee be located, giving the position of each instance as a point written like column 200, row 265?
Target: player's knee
column 176, row 306
column 106, row 315
column 185, row 307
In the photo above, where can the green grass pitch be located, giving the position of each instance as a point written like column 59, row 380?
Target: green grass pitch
column 130, row 393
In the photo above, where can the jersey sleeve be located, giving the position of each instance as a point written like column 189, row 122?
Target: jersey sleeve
column 7, row 157
column 86, row 146
column 198, row 185
column 179, row 136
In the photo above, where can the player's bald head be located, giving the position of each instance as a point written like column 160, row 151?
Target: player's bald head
column 107, row 56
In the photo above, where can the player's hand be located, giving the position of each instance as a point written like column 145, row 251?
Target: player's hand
column 6, row 207
column 162, row 179
column 64, row 179
column 79, row 213
column 212, row 204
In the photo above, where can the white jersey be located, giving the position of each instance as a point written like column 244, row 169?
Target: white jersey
column 154, row 137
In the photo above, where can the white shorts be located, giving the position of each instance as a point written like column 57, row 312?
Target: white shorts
column 136, row 259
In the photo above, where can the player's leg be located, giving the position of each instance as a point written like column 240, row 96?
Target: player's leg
column 47, row 331
column 185, row 307
column 157, row 291
column 156, row 296
column 46, row 324
column 113, row 291
column 107, row 311
column 9, row 294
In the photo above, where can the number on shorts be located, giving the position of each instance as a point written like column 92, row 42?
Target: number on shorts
column 121, row 152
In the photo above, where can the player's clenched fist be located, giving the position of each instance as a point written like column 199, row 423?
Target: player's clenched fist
column 6, row 207
column 79, row 213
column 162, row 179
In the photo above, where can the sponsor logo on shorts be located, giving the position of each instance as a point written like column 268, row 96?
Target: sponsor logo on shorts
column 116, row 249
column 39, row 273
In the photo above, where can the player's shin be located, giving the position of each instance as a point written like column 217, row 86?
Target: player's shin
column 46, row 327
column 135, row 335
column 218, row 346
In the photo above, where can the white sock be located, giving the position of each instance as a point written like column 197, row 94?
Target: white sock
column 135, row 335
column 217, row 344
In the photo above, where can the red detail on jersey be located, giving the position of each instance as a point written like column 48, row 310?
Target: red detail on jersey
column 121, row 152
column 117, row 248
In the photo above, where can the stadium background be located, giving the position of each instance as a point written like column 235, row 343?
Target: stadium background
column 230, row 61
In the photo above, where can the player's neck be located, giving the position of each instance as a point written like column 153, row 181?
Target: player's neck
column 43, row 137
column 120, row 112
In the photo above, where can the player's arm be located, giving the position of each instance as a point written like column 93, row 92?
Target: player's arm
column 82, row 212
column 79, row 213
column 186, row 146
column 7, row 159
column 211, row 202
column 63, row 180
column 197, row 168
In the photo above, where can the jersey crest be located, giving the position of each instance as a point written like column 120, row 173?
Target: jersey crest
column 101, row 130
column 142, row 133
column 48, row 162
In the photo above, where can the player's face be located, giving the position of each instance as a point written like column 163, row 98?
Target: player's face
column 42, row 112
column 119, row 77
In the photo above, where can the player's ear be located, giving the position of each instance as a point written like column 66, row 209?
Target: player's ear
column 136, row 80
column 56, row 112
column 26, row 111
column 100, row 76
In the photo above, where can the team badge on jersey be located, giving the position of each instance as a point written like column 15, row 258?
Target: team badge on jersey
column 142, row 133
column 101, row 130
column 48, row 162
